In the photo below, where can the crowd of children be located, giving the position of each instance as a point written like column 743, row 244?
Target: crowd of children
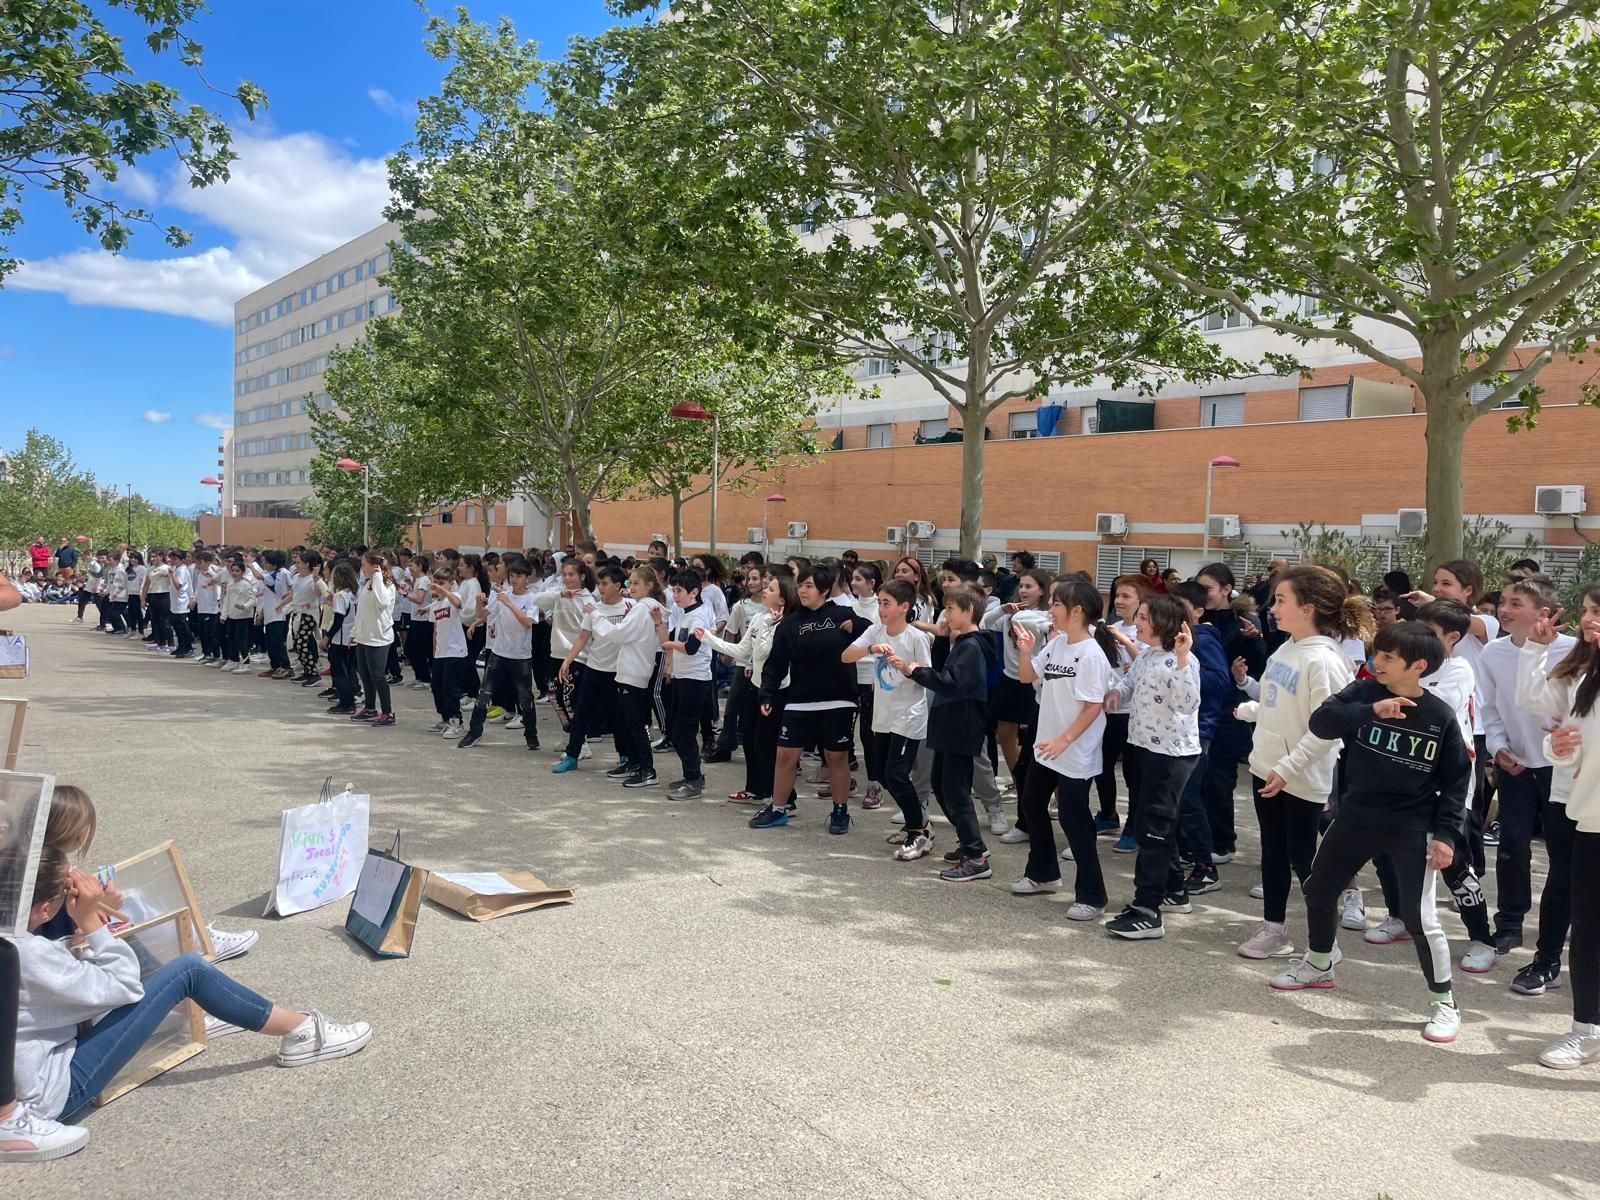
column 1368, row 723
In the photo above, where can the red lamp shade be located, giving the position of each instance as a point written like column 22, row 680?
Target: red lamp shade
column 1224, row 460
column 777, row 498
column 82, row 537
column 211, row 481
column 350, row 464
column 689, row 411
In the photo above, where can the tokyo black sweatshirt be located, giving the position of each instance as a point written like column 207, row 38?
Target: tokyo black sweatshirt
column 1410, row 773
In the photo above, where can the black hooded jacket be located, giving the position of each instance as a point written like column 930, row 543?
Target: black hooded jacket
column 958, row 709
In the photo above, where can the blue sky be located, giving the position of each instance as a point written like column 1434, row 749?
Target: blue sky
column 129, row 359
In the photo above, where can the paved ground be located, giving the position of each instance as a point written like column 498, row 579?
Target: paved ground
column 728, row 1012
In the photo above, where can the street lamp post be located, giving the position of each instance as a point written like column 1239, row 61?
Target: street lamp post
column 766, row 533
column 130, row 516
column 688, row 410
column 222, row 532
column 350, row 464
column 1224, row 462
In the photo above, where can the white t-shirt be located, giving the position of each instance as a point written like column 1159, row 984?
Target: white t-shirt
column 469, row 590
column 714, row 599
column 160, row 577
column 182, row 590
column 275, row 586
column 1355, row 650
column 402, row 584
column 507, row 636
column 1072, row 674
column 207, row 595
column 422, row 609
column 344, row 604
column 604, row 653
column 1469, row 648
column 898, row 704
column 449, row 639
column 698, row 664
column 304, row 600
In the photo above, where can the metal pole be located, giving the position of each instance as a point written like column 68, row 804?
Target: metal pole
column 714, row 472
column 1205, row 535
column 130, row 516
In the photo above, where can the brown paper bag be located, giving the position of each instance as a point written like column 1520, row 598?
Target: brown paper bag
column 484, row 895
column 386, row 903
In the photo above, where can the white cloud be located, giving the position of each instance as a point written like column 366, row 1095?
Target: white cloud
column 211, row 420
column 156, row 417
column 288, row 199
column 398, row 109
column 139, row 185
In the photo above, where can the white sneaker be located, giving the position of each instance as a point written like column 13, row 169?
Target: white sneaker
column 316, row 1039
column 585, row 753
column 216, row 1028
column 916, row 845
column 27, row 1137
column 1066, row 854
column 897, row 818
column 230, row 945
column 1221, row 860
column 1084, row 912
column 515, row 722
column 1479, row 959
column 998, row 823
column 1575, row 1049
column 1443, row 1024
column 1013, row 837
column 1270, row 941
column 437, row 727
column 1352, row 910
column 1258, row 892
column 419, row 686
column 1390, row 929
column 242, row 669
column 453, row 730
column 1027, row 887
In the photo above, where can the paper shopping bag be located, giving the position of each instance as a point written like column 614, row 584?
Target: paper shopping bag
column 320, row 848
column 485, row 895
column 388, row 898
column 13, row 655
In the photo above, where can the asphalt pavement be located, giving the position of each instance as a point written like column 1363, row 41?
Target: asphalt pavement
column 728, row 1012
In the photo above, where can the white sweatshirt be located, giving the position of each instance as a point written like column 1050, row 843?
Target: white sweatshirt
column 752, row 650
column 1508, row 724
column 1299, row 676
column 1551, row 699
column 1034, row 620
column 640, row 644
column 1456, row 683
column 565, row 614
column 58, row 992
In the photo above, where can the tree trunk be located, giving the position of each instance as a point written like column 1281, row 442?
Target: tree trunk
column 578, row 497
column 1449, row 411
column 972, row 482
column 488, row 521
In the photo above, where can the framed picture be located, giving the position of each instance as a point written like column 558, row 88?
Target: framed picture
column 24, row 811
column 12, row 715
column 154, row 883
column 182, row 1034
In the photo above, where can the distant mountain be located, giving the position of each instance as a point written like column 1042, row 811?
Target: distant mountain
column 194, row 510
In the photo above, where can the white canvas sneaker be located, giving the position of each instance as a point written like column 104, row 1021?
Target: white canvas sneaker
column 1270, row 941
column 317, row 1039
column 28, row 1137
column 1574, row 1049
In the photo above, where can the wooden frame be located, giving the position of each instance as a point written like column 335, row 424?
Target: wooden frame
column 24, row 812
column 179, row 895
column 11, row 744
column 179, row 1037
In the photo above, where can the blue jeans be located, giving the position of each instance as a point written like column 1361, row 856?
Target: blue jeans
column 111, row 1044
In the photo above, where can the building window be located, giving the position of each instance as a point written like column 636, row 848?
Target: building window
column 1091, row 420
column 1329, row 403
column 1222, row 410
column 1226, row 318
column 878, row 436
column 935, row 428
column 878, row 367
column 447, row 518
column 1022, row 425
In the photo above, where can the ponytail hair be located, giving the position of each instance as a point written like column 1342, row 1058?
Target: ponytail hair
column 1336, row 611
column 648, row 577
column 1076, row 591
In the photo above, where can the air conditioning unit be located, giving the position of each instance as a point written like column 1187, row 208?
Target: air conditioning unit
column 1222, row 527
column 755, row 535
column 798, row 529
column 920, row 530
column 1411, row 522
column 1559, row 500
column 1110, row 524
column 895, row 534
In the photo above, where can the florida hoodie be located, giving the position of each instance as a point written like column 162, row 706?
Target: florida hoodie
column 1298, row 677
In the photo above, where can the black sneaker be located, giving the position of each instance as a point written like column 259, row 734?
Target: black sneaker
column 769, row 818
column 1136, row 924
column 1505, row 941
column 1537, row 978
column 1106, row 826
column 1491, row 835
column 641, row 779
column 1202, row 879
column 327, row 693
column 716, row 756
column 621, row 771
column 686, row 789
column 342, row 708
column 839, row 819
column 953, row 856
column 471, row 739
column 662, row 746
column 1177, row 902
column 967, row 871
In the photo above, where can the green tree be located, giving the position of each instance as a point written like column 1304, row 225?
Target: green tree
column 72, row 114
column 1372, row 171
column 545, row 319
column 921, row 183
